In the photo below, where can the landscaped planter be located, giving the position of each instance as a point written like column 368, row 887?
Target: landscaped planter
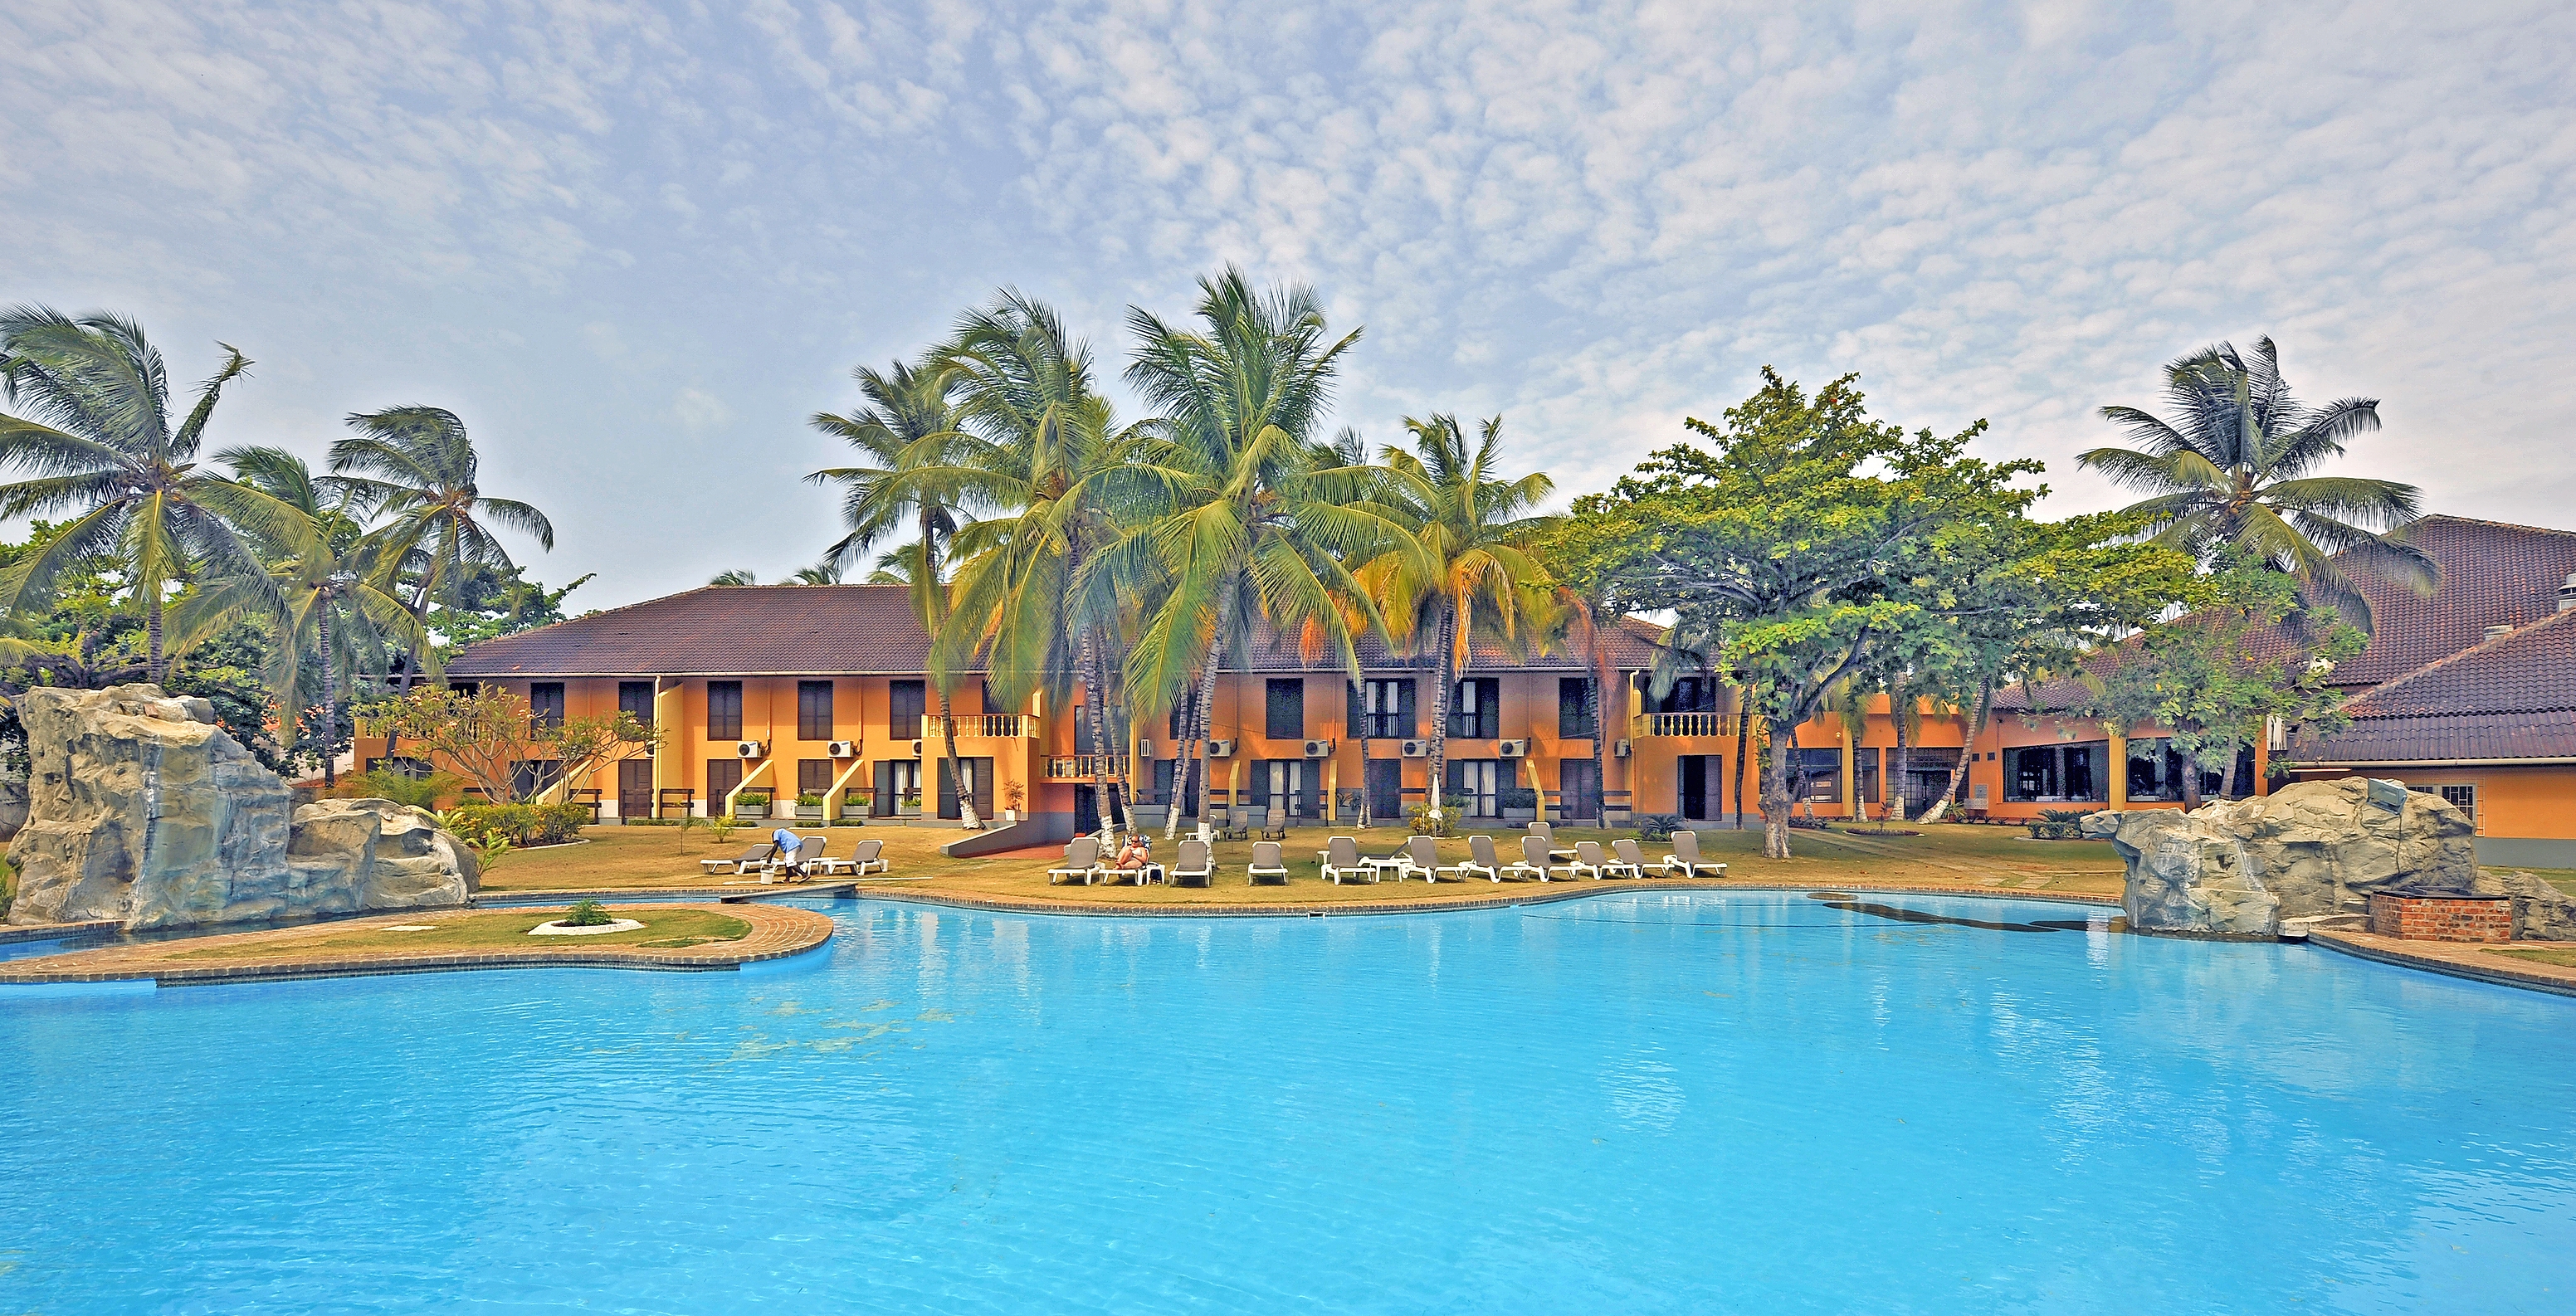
column 907, row 811
column 809, row 813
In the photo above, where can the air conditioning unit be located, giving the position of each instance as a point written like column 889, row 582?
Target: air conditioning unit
column 1220, row 749
column 1319, row 749
column 751, row 749
column 1511, row 749
column 845, row 749
column 916, row 749
column 1417, row 749
column 1618, row 749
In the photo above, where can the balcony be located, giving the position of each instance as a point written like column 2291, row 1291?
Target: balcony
column 1086, row 767
column 1684, row 724
column 982, row 726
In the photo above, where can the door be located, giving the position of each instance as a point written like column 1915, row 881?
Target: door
column 1693, row 792
column 979, row 779
column 1386, row 789
column 1474, row 780
column 635, row 789
column 1578, row 789
column 722, row 776
column 1287, row 787
column 1086, row 811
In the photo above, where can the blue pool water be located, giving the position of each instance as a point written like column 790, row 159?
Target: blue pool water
column 1647, row 1101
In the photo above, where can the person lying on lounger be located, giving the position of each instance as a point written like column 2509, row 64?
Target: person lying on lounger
column 1134, row 855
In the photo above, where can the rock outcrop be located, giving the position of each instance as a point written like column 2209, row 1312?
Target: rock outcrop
column 141, row 810
column 2311, row 849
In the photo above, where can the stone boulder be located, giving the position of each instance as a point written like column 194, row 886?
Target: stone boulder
column 142, row 811
column 2312, row 849
column 383, row 855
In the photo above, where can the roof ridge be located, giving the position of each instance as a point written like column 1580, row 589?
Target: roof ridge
column 2479, row 520
column 2438, row 664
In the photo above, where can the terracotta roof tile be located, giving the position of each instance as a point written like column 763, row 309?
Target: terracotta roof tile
column 2493, row 574
column 2510, row 697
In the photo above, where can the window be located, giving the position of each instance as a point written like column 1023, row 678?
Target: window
column 724, row 711
column 2155, row 773
column 1690, row 694
column 1822, row 770
column 1475, row 780
column 1476, row 710
column 907, row 702
column 1574, row 708
column 813, row 710
column 2053, row 774
column 814, row 776
column 546, row 704
column 636, row 698
column 1866, row 760
column 1283, row 708
column 1385, row 710
column 2466, row 797
column 469, row 689
column 529, row 776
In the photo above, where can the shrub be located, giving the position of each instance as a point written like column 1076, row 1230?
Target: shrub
column 519, row 824
column 1452, row 808
column 2066, row 815
column 809, row 800
column 588, row 914
column 400, row 787
column 1515, row 797
column 1658, row 826
column 750, row 799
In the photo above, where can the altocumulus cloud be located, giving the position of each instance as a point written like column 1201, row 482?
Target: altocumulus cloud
column 637, row 245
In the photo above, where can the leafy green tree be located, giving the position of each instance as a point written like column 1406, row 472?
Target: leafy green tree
column 96, row 438
column 1469, row 562
column 901, row 436
column 2229, row 472
column 2213, row 675
column 1788, row 541
column 1261, row 516
column 413, row 470
column 493, row 601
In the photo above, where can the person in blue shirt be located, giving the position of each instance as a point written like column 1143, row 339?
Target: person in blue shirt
column 786, row 841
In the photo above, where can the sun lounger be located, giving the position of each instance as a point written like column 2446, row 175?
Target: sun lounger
column 1265, row 863
column 1193, row 862
column 868, row 858
column 1534, row 859
column 1480, row 862
column 1238, row 825
column 1342, row 861
column 1421, row 857
column 751, row 856
column 1630, row 860
column 1685, row 858
column 1081, row 860
column 1547, row 832
column 1588, row 859
column 1276, row 826
column 808, row 851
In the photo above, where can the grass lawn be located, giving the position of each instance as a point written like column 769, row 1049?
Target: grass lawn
column 1968, row 857
column 2563, row 958
column 495, row 930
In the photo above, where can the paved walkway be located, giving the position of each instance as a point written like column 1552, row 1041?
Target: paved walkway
column 776, row 932
column 2459, row 959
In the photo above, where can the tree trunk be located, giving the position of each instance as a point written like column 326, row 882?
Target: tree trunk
column 1958, row 770
column 1775, row 791
column 1743, row 747
column 938, row 604
column 2227, row 775
column 1207, row 689
column 1184, row 765
column 330, row 714
column 152, row 630
column 1899, row 704
column 1600, row 764
column 1095, row 711
column 1359, row 700
column 1439, row 779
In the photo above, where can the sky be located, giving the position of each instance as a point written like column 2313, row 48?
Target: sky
column 635, row 246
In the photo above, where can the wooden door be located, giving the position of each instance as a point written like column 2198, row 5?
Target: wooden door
column 635, row 788
column 1386, row 790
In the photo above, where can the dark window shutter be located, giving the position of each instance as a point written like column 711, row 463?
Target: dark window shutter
column 636, row 698
column 1284, row 712
column 813, row 710
column 1406, row 715
column 546, row 703
column 724, row 710
column 906, row 701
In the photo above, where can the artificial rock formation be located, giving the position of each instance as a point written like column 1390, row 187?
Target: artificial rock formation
column 142, row 811
column 2309, row 850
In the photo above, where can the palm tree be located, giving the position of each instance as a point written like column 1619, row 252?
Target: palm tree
column 1471, row 565
column 98, row 441
column 1260, row 516
column 1039, row 441
column 328, row 595
column 2229, row 473
column 415, row 468
column 824, row 573
column 737, row 576
column 900, row 435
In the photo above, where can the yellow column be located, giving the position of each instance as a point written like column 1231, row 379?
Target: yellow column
column 1851, row 778
column 2119, row 775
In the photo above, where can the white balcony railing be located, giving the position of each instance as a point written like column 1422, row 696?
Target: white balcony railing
column 982, row 726
column 1685, row 724
column 1085, row 767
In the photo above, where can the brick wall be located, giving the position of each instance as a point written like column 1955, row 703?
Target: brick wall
column 2432, row 919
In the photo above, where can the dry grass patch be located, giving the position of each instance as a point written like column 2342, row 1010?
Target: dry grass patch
column 2562, row 956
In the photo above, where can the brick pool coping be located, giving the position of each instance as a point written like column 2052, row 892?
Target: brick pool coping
column 777, row 931
column 16, row 932
column 1531, row 894
column 2458, row 959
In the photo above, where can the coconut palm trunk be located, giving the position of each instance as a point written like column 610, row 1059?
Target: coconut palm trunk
column 938, row 608
column 1095, row 710
column 152, row 629
column 1207, row 688
column 1436, row 788
column 1959, row 770
column 1600, row 729
column 1899, row 699
column 1743, row 748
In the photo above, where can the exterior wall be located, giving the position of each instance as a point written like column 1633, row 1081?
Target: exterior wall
column 2526, row 816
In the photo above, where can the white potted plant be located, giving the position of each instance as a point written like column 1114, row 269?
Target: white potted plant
column 751, row 804
column 908, row 805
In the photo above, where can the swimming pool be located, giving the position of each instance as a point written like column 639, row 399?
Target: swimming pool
column 1644, row 1101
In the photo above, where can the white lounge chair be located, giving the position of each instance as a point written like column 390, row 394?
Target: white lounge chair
column 1547, row 832
column 1630, row 860
column 1421, row 855
column 1193, row 862
column 751, row 856
column 1342, row 862
column 1685, row 858
column 1275, row 826
column 1588, row 859
column 1265, row 863
column 1480, row 861
column 799, row 863
column 1534, row 859
column 1081, row 860
column 868, row 857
